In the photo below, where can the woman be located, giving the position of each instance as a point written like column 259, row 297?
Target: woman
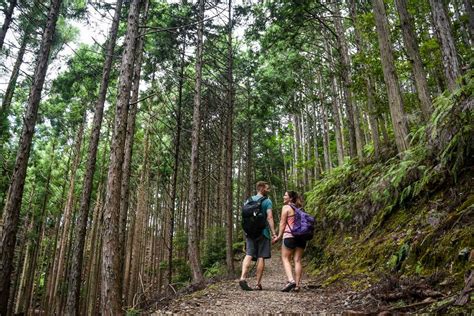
column 291, row 246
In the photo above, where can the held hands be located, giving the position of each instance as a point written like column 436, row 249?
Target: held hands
column 275, row 239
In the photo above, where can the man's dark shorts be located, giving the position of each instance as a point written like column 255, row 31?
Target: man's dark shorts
column 258, row 248
column 292, row 243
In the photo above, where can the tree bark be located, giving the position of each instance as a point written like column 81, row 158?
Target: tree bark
column 230, row 148
column 7, row 21
column 72, row 304
column 59, row 270
column 397, row 112
column 8, row 97
column 140, row 226
column 12, row 208
column 129, row 140
column 448, row 48
column 470, row 15
column 337, row 122
column 355, row 137
column 326, row 151
column 372, row 111
column 193, row 243
column 111, row 292
column 414, row 57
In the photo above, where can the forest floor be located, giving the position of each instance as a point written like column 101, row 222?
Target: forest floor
column 226, row 297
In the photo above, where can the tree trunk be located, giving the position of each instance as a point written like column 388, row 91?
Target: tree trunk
column 337, row 122
column 58, row 272
column 111, row 292
column 326, row 152
column 7, row 20
column 129, row 140
column 8, row 97
column 369, row 83
column 193, row 243
column 448, row 48
column 317, row 171
column 177, row 148
column 140, row 226
column 72, row 305
column 12, row 208
column 397, row 112
column 414, row 57
column 230, row 148
column 248, row 156
column 470, row 16
column 355, row 137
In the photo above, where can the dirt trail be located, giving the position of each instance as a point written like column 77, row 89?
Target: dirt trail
column 227, row 298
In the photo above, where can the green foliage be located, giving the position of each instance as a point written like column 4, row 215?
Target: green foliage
column 180, row 240
column 389, row 214
column 354, row 191
column 181, row 272
column 133, row 312
column 216, row 269
column 214, row 247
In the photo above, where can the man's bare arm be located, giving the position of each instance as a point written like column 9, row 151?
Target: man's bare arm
column 270, row 221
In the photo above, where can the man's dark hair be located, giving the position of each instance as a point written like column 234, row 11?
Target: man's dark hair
column 260, row 185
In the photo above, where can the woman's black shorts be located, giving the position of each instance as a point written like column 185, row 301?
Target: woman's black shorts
column 293, row 243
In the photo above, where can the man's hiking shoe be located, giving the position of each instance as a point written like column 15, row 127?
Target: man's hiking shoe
column 288, row 287
column 244, row 286
column 258, row 287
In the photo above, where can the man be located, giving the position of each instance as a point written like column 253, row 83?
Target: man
column 259, row 249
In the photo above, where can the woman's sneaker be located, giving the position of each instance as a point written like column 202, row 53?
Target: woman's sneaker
column 288, row 287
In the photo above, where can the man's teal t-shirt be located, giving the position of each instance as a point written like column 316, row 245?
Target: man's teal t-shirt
column 266, row 205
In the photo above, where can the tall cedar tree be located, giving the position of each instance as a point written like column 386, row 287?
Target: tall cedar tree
column 111, row 292
column 193, row 244
column 72, row 305
column 400, row 126
column 11, row 213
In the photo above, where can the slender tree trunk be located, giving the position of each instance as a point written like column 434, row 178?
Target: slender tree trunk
column 326, row 152
column 176, row 164
column 448, row 48
column 369, row 83
column 355, row 137
column 72, row 305
column 140, row 226
column 317, row 171
column 59, row 271
column 111, row 292
column 337, row 122
column 414, row 57
column 12, row 208
column 230, row 148
column 397, row 112
column 193, row 243
column 8, row 97
column 470, row 16
column 129, row 140
column 7, row 21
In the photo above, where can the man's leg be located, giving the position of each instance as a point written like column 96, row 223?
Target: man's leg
column 260, row 268
column 245, row 267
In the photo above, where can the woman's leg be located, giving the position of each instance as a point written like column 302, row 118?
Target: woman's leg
column 285, row 258
column 298, row 267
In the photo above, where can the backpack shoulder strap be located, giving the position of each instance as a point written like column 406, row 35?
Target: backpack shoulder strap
column 263, row 198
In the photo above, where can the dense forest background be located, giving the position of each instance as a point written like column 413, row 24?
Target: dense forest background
column 125, row 163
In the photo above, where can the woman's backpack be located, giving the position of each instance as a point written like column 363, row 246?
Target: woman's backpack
column 253, row 218
column 303, row 227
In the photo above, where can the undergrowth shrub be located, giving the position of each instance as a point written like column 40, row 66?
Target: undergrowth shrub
column 355, row 192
